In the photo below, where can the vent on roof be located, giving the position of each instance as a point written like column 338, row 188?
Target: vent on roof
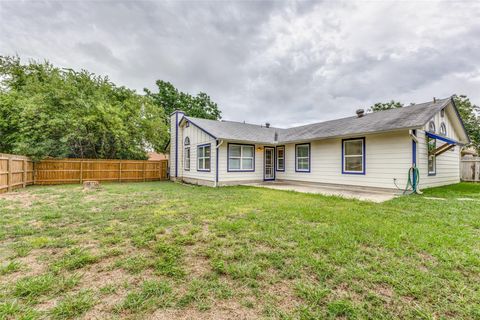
column 267, row 125
column 360, row 113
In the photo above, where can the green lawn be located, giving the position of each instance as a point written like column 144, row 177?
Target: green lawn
column 165, row 250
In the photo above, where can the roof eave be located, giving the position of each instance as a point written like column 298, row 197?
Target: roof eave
column 196, row 125
column 350, row 135
column 460, row 120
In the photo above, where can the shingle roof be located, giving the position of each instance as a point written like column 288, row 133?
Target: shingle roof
column 231, row 130
column 409, row 117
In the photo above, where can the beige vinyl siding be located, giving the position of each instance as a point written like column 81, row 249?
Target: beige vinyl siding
column 388, row 156
column 226, row 177
column 448, row 163
column 197, row 137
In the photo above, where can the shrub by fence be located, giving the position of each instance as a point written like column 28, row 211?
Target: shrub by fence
column 470, row 169
column 18, row 171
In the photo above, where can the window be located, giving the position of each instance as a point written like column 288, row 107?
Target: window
column 432, row 165
column 241, row 157
column 187, row 124
column 442, row 113
column 281, row 158
column 302, row 157
column 443, row 129
column 203, row 157
column 353, row 156
column 431, row 127
column 186, row 156
column 187, row 141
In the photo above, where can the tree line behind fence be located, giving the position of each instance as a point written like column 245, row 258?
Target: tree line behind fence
column 19, row 171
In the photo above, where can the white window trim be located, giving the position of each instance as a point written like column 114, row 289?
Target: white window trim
column 298, row 158
column 345, row 156
column 434, row 172
column 282, row 158
column 187, row 159
column 241, row 157
column 443, row 127
column 203, row 159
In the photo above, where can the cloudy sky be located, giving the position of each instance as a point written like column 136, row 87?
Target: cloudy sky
column 283, row 62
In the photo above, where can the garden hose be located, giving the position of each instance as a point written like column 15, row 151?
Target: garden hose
column 413, row 181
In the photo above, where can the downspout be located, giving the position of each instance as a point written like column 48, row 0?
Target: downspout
column 176, row 145
column 219, row 143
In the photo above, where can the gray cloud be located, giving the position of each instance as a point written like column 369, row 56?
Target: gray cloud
column 285, row 62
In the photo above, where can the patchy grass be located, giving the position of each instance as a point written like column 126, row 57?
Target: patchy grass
column 165, row 250
column 73, row 306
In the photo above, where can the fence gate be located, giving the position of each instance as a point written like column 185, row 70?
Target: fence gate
column 470, row 169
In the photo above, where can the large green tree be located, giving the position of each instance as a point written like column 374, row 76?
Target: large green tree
column 381, row 106
column 50, row 112
column 170, row 99
column 470, row 114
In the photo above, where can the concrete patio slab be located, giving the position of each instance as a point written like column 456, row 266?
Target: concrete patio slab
column 350, row 192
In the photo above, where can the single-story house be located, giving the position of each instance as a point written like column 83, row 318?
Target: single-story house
column 367, row 149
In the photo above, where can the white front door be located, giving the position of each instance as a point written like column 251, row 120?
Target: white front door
column 269, row 163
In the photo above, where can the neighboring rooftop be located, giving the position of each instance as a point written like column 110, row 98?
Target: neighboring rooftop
column 408, row 117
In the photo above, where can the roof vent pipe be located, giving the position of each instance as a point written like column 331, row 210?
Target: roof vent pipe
column 360, row 113
column 434, row 100
column 267, row 125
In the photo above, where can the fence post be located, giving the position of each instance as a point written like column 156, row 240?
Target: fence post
column 120, row 171
column 9, row 174
column 24, row 178
column 81, row 171
column 143, row 163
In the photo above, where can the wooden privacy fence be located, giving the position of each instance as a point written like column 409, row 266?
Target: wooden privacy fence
column 470, row 169
column 18, row 171
column 78, row 170
column 15, row 172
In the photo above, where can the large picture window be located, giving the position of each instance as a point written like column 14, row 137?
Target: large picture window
column 281, row 158
column 203, row 157
column 241, row 157
column 353, row 156
column 302, row 157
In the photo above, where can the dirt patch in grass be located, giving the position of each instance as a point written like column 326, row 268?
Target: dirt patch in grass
column 196, row 264
column 22, row 199
column 384, row 291
column 343, row 291
column 224, row 310
column 30, row 265
column 283, row 294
